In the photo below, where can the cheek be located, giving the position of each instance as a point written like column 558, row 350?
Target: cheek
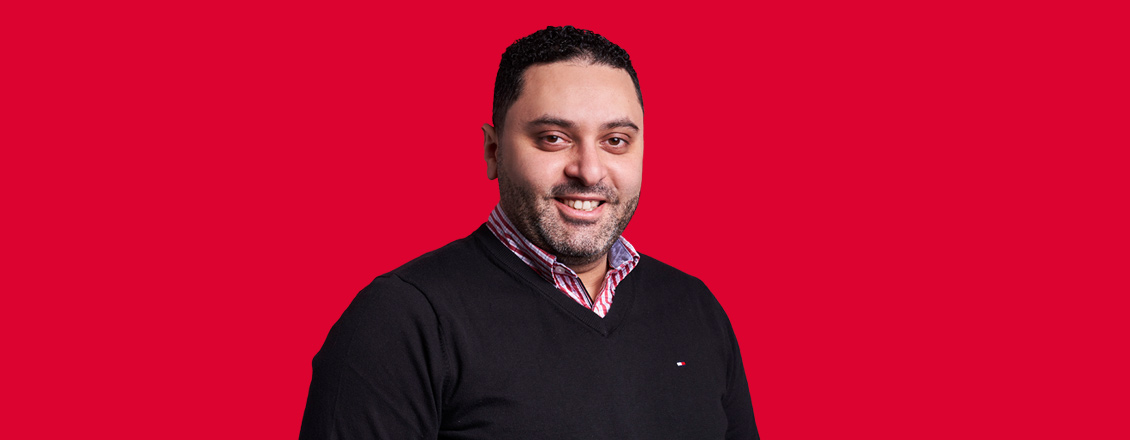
column 526, row 175
column 627, row 176
column 536, row 170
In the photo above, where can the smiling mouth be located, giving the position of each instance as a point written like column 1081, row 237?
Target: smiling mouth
column 581, row 205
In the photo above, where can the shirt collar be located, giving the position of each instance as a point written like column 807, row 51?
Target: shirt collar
column 543, row 262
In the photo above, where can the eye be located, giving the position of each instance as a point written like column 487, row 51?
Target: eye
column 553, row 141
column 617, row 144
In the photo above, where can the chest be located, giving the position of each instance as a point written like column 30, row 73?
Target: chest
column 541, row 376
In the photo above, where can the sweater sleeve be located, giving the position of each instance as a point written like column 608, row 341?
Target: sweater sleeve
column 380, row 373
column 736, row 400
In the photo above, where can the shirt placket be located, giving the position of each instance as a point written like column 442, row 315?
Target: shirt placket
column 566, row 280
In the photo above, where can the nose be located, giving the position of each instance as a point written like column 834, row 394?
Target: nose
column 587, row 165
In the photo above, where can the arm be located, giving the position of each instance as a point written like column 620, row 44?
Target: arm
column 736, row 400
column 380, row 373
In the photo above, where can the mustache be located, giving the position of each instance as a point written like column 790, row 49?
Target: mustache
column 565, row 190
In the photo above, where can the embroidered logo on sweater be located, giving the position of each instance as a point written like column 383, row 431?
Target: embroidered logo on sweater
column 680, row 363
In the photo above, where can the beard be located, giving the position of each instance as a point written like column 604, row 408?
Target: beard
column 572, row 242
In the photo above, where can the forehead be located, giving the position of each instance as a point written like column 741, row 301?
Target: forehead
column 577, row 91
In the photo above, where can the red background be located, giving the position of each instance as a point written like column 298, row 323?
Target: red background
column 914, row 213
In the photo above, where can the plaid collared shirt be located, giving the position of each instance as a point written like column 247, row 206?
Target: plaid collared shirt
column 622, row 258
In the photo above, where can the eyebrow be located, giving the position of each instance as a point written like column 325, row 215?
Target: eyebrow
column 620, row 123
column 553, row 120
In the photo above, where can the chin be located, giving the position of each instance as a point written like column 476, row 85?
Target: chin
column 579, row 246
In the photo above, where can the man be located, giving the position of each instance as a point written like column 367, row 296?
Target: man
column 545, row 322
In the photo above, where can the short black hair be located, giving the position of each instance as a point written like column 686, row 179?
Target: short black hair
column 551, row 45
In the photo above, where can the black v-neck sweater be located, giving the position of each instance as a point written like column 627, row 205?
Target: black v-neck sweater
column 467, row 342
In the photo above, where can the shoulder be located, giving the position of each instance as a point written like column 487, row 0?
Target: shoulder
column 655, row 268
column 655, row 272
column 388, row 300
column 661, row 279
column 443, row 276
column 400, row 288
column 454, row 263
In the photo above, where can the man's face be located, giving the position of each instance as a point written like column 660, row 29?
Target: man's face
column 569, row 161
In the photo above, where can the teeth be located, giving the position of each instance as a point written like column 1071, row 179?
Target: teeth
column 583, row 205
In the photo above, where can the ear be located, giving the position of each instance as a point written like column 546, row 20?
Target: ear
column 490, row 151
